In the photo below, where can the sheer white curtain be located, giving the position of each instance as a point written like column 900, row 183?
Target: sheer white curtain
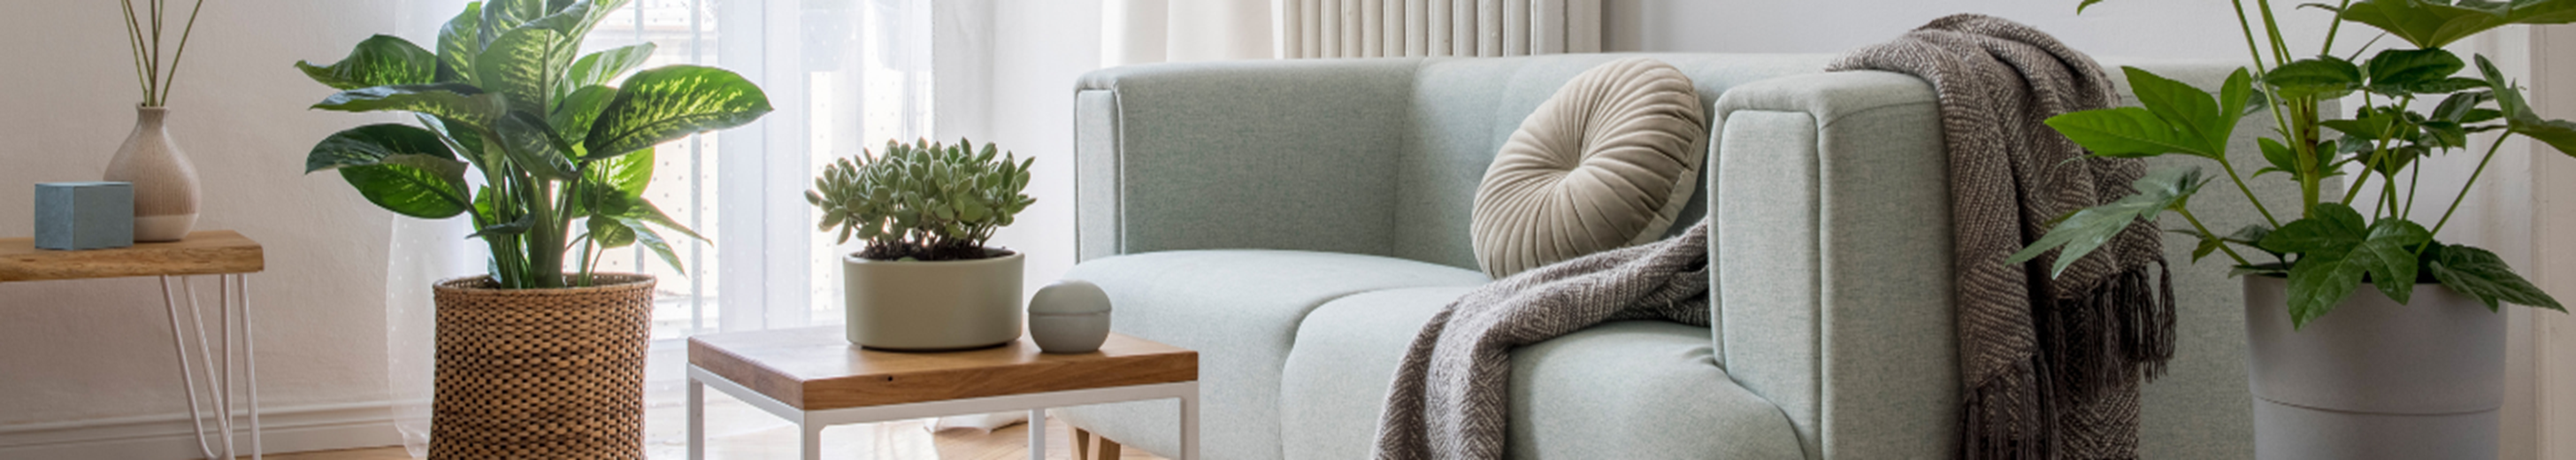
column 844, row 75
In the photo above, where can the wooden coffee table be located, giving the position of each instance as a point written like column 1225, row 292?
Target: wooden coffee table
column 815, row 378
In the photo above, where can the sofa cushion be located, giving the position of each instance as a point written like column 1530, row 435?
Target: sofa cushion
column 1627, row 390
column 1240, row 310
column 1605, row 163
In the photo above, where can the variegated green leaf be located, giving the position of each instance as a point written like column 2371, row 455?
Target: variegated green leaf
column 381, row 60
column 668, row 103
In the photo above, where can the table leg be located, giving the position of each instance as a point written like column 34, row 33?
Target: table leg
column 1037, row 434
column 697, row 419
column 187, row 374
column 250, row 363
column 1190, row 424
column 813, row 439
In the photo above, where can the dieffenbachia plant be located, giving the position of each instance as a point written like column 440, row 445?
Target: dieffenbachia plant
column 2414, row 105
column 923, row 201
column 556, row 138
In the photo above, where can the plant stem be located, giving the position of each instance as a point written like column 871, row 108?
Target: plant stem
column 2412, row 184
column 2335, row 27
column 545, row 238
column 2249, row 192
column 172, row 79
column 134, row 42
column 2377, row 152
column 2280, row 47
column 2464, row 190
column 2205, row 233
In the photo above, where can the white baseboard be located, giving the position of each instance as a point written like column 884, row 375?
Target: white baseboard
column 283, row 429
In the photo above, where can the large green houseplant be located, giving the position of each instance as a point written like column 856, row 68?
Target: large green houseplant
column 925, row 279
column 537, row 357
column 2306, row 259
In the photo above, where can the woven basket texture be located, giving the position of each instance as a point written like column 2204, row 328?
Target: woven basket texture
column 541, row 373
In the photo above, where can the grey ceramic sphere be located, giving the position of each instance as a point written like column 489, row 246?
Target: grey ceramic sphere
column 1070, row 316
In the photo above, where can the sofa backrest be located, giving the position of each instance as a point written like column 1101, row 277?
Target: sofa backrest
column 1463, row 109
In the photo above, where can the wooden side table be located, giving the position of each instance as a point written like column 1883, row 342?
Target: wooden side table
column 815, row 378
column 227, row 255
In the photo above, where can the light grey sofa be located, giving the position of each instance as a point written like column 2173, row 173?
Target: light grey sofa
column 1297, row 221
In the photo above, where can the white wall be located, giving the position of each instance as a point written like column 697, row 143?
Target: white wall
column 93, row 354
column 1039, row 48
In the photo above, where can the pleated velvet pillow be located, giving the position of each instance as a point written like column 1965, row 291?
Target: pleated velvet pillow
column 1607, row 162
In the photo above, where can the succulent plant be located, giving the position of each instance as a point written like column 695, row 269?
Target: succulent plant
column 924, row 201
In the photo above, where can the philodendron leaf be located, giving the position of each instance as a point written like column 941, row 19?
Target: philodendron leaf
column 2427, row 24
column 502, row 15
column 2389, row 256
column 533, row 146
column 2481, row 274
column 601, row 67
column 2317, row 284
column 458, row 43
column 2125, row 132
column 2398, row 72
column 2332, row 228
column 457, row 102
column 2323, row 77
column 2205, row 122
column 525, row 65
column 2519, row 118
column 382, row 60
column 573, row 114
column 2087, row 229
column 401, row 168
column 663, row 104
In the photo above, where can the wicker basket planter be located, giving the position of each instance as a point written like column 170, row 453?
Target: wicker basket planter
column 541, row 373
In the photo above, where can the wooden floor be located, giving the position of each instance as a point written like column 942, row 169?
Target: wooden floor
column 884, row 441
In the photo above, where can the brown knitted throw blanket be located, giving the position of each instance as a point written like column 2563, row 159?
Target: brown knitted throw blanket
column 2051, row 367
column 1450, row 400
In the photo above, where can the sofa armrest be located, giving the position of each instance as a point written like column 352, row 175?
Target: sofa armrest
column 1832, row 258
column 1296, row 155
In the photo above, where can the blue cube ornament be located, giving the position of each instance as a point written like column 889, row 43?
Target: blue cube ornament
column 84, row 215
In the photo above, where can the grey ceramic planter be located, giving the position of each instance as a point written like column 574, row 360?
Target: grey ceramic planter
column 2375, row 379
column 931, row 306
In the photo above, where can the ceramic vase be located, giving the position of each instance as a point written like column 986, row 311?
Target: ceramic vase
column 165, row 182
column 932, row 306
column 2373, row 378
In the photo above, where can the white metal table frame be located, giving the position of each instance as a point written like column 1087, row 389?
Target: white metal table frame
column 232, row 292
column 811, row 423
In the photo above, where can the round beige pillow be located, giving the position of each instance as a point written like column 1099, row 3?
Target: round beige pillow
column 1607, row 162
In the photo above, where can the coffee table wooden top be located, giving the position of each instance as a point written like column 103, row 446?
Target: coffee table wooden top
column 816, row 368
column 202, row 253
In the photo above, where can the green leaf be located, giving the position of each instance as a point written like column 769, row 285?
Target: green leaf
column 2333, row 230
column 627, row 174
column 2447, row 85
column 2481, row 274
column 2280, row 156
column 2087, row 229
column 2397, row 72
column 400, row 168
column 2389, row 256
column 2318, row 284
column 2201, row 118
column 2125, row 132
column 652, row 240
column 525, row 65
column 648, row 212
column 663, row 104
column 503, row 15
column 573, row 114
column 382, row 60
column 2519, row 118
column 609, row 233
column 2323, row 77
column 2079, row 7
column 458, row 43
column 2427, row 24
column 453, row 101
column 533, row 146
column 602, row 67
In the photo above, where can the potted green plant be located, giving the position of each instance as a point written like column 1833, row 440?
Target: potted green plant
column 536, row 357
column 2411, row 368
column 924, row 280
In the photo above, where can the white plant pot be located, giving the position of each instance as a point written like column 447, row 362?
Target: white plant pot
column 2373, row 378
column 931, row 306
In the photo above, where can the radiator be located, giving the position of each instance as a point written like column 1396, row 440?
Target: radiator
column 1399, row 28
